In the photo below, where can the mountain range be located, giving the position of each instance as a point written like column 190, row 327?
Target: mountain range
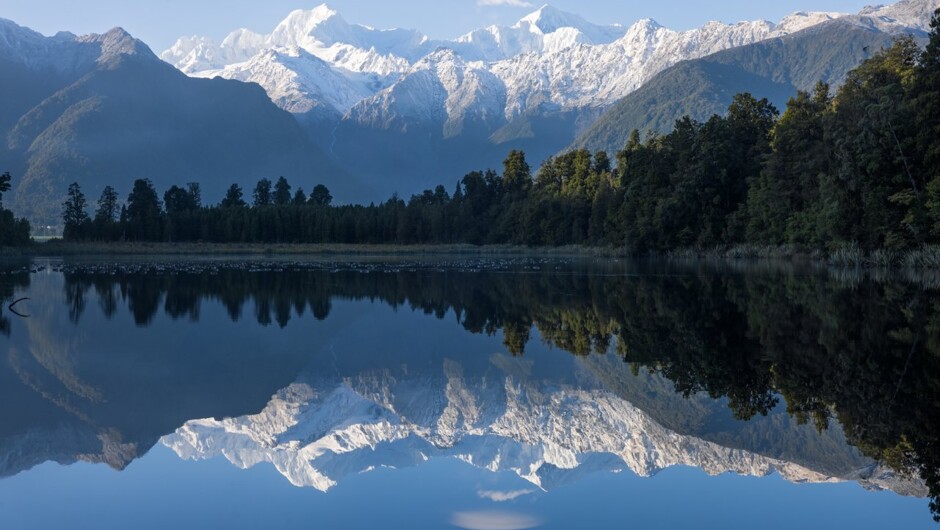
column 775, row 69
column 430, row 110
column 549, row 60
column 104, row 110
column 370, row 112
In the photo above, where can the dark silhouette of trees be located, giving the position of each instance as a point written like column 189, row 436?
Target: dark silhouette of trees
column 74, row 214
column 233, row 197
column 108, row 210
column 5, row 180
column 13, row 232
column 282, row 196
column 262, row 194
column 181, row 220
column 926, row 102
column 860, row 166
column 320, row 196
column 142, row 220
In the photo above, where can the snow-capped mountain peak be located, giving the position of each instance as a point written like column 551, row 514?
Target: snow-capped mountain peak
column 911, row 13
column 801, row 20
column 321, row 13
column 548, row 19
column 550, row 61
column 243, row 39
column 545, row 30
column 321, row 26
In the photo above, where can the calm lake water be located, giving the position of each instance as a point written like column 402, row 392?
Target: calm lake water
column 466, row 393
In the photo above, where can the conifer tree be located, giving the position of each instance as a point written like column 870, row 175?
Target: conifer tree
column 282, row 194
column 262, row 194
column 74, row 216
column 320, row 196
column 233, row 197
column 5, row 180
column 300, row 198
column 143, row 212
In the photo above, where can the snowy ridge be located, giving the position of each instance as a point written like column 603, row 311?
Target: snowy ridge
column 316, row 432
column 301, row 82
column 548, row 61
column 543, row 31
column 197, row 54
column 441, row 88
column 321, row 32
column 907, row 13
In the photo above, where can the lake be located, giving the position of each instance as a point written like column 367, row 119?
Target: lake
column 463, row 392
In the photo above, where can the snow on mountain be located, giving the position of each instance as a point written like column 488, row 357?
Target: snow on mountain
column 321, row 32
column 591, row 76
column 440, row 88
column 544, row 31
column 317, row 431
column 23, row 44
column 293, row 62
column 300, row 82
column 322, row 28
column 906, row 13
column 548, row 61
column 197, row 54
column 596, row 76
column 801, row 20
column 534, row 84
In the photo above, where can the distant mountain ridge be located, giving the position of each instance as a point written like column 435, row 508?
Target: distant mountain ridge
column 432, row 110
column 370, row 112
column 775, row 69
column 103, row 110
column 548, row 56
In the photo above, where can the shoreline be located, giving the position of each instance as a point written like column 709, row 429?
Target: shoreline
column 63, row 249
column 845, row 256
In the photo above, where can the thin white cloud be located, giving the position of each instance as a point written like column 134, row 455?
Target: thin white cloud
column 494, row 521
column 503, row 496
column 512, row 3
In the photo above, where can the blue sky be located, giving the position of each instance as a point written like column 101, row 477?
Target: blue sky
column 160, row 22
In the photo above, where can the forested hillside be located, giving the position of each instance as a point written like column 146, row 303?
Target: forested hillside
column 860, row 167
column 774, row 69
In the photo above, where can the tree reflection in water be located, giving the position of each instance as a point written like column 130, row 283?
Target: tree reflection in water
column 855, row 348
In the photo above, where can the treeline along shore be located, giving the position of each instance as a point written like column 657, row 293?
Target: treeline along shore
column 851, row 174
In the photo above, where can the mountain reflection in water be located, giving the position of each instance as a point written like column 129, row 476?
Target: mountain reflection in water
column 816, row 375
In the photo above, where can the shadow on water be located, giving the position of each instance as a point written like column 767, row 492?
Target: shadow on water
column 852, row 356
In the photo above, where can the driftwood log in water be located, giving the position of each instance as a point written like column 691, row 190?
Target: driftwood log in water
column 14, row 311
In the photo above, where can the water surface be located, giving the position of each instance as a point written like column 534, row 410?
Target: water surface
column 466, row 393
